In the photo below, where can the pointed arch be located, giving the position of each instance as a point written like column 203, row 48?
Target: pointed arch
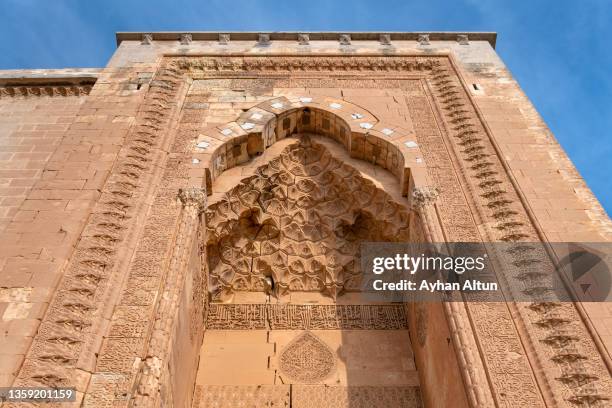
column 361, row 133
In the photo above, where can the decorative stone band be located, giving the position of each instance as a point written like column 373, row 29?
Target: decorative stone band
column 496, row 198
column 152, row 370
column 67, row 345
column 292, row 64
column 44, row 90
column 305, row 317
column 307, row 396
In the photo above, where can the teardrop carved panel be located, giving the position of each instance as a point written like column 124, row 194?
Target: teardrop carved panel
column 297, row 225
column 307, row 359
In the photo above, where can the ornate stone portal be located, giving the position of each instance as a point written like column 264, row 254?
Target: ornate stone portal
column 419, row 137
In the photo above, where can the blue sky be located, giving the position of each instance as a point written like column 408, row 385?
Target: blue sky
column 557, row 50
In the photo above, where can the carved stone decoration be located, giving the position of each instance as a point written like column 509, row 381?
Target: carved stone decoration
column 354, row 396
column 224, row 39
column 496, row 200
column 463, row 39
column 423, row 39
column 42, row 90
column 298, row 221
column 195, row 66
column 385, row 39
column 69, row 330
column 303, row 39
column 147, row 39
column 195, row 197
column 307, row 359
column 186, row 39
column 345, row 39
column 232, row 396
column 305, row 317
column 424, row 196
column 263, row 39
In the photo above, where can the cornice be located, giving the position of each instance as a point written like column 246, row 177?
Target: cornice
column 49, row 77
column 44, row 90
column 35, row 83
column 298, row 37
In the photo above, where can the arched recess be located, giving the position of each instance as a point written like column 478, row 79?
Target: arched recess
column 242, row 235
column 363, row 135
column 296, row 225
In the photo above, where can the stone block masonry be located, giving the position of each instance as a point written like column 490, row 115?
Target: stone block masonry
column 109, row 179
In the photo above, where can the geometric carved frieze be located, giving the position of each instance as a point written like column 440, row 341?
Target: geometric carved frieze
column 297, row 225
column 326, row 396
column 305, row 317
column 306, row 396
column 232, row 396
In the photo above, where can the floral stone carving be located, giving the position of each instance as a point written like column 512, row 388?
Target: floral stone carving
column 307, row 359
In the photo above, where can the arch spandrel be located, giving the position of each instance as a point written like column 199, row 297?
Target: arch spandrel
column 296, row 224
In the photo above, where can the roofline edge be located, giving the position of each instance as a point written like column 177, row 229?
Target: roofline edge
column 489, row 36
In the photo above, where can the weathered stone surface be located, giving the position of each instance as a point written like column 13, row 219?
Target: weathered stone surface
column 109, row 240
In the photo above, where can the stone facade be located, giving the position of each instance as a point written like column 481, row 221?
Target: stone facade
column 182, row 226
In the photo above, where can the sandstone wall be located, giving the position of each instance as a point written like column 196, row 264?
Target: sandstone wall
column 58, row 197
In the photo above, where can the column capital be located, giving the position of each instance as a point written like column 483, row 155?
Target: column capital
column 424, row 196
column 193, row 196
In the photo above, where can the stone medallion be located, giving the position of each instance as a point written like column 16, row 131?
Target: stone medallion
column 307, row 359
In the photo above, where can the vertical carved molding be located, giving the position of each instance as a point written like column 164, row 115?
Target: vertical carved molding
column 154, row 366
column 470, row 362
column 497, row 200
column 67, row 346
